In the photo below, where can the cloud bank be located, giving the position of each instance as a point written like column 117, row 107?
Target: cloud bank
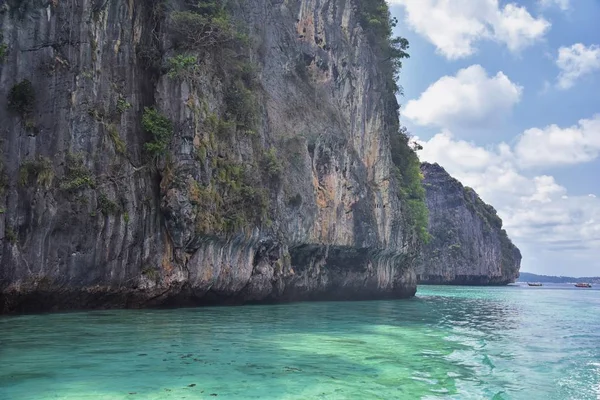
column 455, row 27
column 470, row 98
column 575, row 62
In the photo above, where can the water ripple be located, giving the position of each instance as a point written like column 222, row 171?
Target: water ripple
column 448, row 343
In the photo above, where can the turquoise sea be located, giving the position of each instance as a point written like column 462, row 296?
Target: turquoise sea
column 511, row 342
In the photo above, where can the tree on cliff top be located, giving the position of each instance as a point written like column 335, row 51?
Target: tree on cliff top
column 378, row 24
column 408, row 173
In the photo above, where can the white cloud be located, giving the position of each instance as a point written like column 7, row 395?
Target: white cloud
column 576, row 61
column 515, row 27
column 562, row 4
column 546, row 189
column 553, row 145
column 561, row 224
column 469, row 98
column 546, row 223
column 455, row 26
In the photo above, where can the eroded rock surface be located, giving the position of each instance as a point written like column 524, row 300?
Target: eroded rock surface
column 276, row 184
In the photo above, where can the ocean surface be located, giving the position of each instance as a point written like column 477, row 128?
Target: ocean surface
column 511, row 342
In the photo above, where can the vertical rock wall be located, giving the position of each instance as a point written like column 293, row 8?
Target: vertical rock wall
column 302, row 204
column 468, row 245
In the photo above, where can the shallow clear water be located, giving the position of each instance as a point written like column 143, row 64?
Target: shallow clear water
column 449, row 342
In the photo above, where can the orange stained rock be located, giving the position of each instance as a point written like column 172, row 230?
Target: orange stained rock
column 306, row 27
column 166, row 258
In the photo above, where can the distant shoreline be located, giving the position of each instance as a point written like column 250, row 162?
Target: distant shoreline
column 529, row 277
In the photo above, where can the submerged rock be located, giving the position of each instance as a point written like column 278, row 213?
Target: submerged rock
column 468, row 245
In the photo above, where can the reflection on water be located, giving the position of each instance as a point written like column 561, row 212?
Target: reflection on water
column 463, row 343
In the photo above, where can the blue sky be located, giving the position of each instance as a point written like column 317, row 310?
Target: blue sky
column 506, row 96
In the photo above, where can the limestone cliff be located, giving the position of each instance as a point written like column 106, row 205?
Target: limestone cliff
column 192, row 152
column 468, row 245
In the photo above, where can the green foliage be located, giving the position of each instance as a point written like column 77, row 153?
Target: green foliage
column 242, row 106
column 77, row 175
column 202, row 153
column 31, row 126
column 122, row 105
column 182, row 66
column 3, row 178
column 420, row 215
column 205, row 26
column 493, row 224
column 231, row 196
column 39, row 171
column 107, row 206
column 246, row 72
column 97, row 115
column 21, row 98
column 271, row 164
column 150, row 273
column 485, row 211
column 509, row 251
column 219, row 127
column 88, row 74
column 375, row 19
column 150, row 57
column 10, row 235
column 113, row 133
column 295, row 151
column 492, row 216
column 408, row 173
column 161, row 129
column 207, row 8
column 3, row 49
column 232, row 201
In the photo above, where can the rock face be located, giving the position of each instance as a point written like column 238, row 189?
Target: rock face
column 468, row 245
column 144, row 164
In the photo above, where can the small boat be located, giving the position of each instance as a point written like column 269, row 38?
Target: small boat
column 534, row 284
column 583, row 285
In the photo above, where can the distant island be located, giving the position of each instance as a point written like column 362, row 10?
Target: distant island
column 528, row 277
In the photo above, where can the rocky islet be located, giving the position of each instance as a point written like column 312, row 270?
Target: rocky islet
column 166, row 153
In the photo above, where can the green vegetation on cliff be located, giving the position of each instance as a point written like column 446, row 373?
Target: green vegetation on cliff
column 21, row 98
column 488, row 214
column 227, row 194
column 408, row 173
column 161, row 129
column 468, row 244
column 38, row 171
column 3, row 48
column 378, row 24
column 205, row 24
column 183, row 159
column 77, row 176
